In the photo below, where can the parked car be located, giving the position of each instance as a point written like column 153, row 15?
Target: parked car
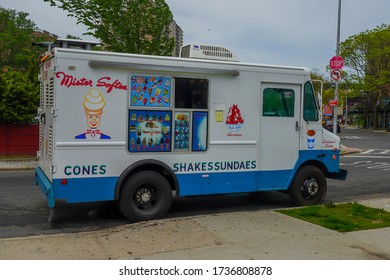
column 329, row 126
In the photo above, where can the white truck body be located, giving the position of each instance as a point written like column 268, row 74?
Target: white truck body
column 206, row 127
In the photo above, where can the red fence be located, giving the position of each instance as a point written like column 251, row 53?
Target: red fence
column 19, row 139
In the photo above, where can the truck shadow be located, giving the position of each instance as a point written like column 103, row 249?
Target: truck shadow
column 99, row 215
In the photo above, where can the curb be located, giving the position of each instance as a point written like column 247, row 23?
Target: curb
column 18, row 164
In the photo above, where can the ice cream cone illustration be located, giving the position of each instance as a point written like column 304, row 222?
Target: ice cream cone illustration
column 167, row 143
column 144, row 143
column 93, row 104
column 138, row 143
column 132, row 143
column 161, row 143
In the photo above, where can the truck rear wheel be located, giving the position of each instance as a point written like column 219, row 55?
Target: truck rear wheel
column 146, row 195
column 309, row 186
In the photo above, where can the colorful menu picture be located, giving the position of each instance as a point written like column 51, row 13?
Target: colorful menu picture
column 199, row 131
column 150, row 91
column 182, row 131
column 149, row 131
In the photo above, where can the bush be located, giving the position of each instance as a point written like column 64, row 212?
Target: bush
column 19, row 97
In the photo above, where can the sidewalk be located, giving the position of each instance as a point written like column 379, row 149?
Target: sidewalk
column 263, row 234
column 17, row 163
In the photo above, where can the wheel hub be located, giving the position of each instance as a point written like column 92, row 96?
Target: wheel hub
column 144, row 196
column 312, row 187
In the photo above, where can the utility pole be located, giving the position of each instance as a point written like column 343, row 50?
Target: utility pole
column 336, row 90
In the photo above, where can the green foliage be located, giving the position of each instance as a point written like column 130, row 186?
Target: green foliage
column 18, row 97
column 15, row 38
column 131, row 26
column 368, row 56
column 342, row 217
column 19, row 89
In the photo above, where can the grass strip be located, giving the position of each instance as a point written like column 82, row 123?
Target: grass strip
column 342, row 217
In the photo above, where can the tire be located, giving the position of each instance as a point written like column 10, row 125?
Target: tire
column 308, row 187
column 146, row 195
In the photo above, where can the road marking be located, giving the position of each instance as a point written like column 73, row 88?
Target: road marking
column 385, row 166
column 352, row 137
column 372, row 153
column 359, row 156
column 368, row 151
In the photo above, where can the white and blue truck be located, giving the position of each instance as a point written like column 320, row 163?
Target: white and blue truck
column 141, row 129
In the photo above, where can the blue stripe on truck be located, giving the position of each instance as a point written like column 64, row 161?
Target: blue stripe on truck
column 89, row 189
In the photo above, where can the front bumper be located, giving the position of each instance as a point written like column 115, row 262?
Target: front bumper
column 340, row 175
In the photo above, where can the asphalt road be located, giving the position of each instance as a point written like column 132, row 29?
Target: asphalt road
column 24, row 212
column 368, row 171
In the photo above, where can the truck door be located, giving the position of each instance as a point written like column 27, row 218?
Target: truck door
column 46, row 117
column 279, row 133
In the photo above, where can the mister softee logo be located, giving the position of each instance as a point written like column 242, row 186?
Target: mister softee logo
column 103, row 82
column 234, row 121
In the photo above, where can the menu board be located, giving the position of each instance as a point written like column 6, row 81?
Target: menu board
column 149, row 131
column 150, row 91
column 182, row 131
column 199, row 134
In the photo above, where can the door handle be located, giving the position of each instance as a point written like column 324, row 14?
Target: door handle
column 43, row 118
column 296, row 126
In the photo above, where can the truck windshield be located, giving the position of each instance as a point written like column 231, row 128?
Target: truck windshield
column 310, row 110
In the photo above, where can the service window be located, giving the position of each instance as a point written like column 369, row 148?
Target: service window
column 278, row 102
column 310, row 110
column 191, row 93
column 191, row 114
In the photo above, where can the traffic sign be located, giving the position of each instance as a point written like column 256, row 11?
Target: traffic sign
column 336, row 62
column 336, row 74
column 333, row 102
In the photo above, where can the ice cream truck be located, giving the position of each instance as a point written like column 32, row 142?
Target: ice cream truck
column 140, row 130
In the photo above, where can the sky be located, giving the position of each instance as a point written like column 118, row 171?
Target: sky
column 280, row 32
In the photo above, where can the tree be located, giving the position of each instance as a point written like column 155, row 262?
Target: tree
column 132, row 26
column 15, row 38
column 18, row 97
column 368, row 56
column 19, row 87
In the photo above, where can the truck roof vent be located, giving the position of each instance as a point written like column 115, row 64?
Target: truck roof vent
column 204, row 51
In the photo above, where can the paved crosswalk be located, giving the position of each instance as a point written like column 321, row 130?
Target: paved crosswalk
column 352, row 137
column 372, row 153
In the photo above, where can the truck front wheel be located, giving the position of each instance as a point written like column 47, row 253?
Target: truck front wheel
column 146, row 195
column 308, row 187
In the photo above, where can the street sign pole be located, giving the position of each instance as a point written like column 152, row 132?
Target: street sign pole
column 336, row 90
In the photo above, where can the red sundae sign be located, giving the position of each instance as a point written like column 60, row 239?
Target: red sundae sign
column 234, row 121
